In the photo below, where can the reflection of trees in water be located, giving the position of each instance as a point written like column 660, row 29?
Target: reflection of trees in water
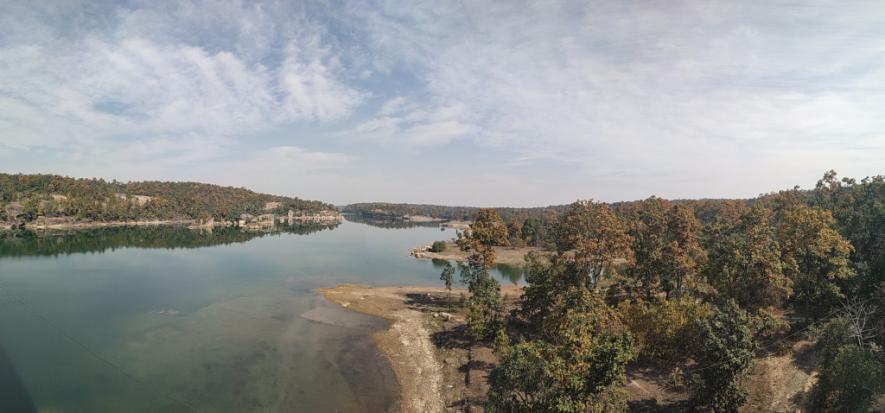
column 511, row 273
column 28, row 243
column 388, row 223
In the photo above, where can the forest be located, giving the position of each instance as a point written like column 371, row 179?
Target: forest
column 24, row 198
column 697, row 291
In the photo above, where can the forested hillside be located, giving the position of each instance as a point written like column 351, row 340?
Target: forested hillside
column 24, row 198
column 695, row 293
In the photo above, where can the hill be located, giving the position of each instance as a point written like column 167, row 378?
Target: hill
column 25, row 198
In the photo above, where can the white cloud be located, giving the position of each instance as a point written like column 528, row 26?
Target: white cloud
column 403, row 121
column 621, row 99
column 136, row 80
column 671, row 89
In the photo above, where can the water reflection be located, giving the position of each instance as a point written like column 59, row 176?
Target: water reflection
column 50, row 243
column 389, row 223
column 505, row 272
column 510, row 272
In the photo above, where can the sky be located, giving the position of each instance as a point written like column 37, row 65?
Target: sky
column 509, row 103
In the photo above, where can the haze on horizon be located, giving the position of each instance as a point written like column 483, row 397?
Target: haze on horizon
column 514, row 103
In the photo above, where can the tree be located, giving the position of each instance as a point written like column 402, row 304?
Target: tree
column 859, row 212
column 852, row 366
column 487, row 231
column 744, row 259
column 667, row 252
column 438, row 246
column 577, row 368
column 815, row 257
column 447, row 277
column 484, row 304
column 532, row 232
column 726, row 350
column 648, row 227
column 683, row 255
column 665, row 330
column 597, row 239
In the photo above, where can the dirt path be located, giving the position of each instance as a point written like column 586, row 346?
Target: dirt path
column 407, row 343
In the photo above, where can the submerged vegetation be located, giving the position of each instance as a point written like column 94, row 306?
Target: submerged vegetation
column 697, row 289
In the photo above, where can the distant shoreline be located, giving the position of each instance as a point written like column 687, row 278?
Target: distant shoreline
column 190, row 223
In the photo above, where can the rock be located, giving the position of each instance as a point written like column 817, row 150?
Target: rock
column 445, row 316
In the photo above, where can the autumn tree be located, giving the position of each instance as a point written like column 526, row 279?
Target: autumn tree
column 744, row 259
column 487, row 231
column 484, row 304
column 577, row 367
column 596, row 238
column 667, row 250
column 815, row 257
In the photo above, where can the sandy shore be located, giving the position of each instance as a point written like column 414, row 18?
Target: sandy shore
column 431, row 377
column 406, row 343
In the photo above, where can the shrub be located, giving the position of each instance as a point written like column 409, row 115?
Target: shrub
column 665, row 330
column 852, row 367
column 438, row 246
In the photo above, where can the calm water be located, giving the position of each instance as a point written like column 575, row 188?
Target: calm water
column 169, row 319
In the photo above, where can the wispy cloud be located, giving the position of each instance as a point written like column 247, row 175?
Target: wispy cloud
column 600, row 99
column 126, row 80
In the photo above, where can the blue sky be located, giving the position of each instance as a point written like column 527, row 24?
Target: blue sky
column 516, row 103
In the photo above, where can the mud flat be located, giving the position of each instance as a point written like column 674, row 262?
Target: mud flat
column 406, row 344
column 432, row 361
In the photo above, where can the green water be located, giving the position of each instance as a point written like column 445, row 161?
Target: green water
column 170, row 319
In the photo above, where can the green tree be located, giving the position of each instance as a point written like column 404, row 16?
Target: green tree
column 852, row 363
column 438, row 246
column 859, row 210
column 532, row 232
column 447, row 277
column 576, row 368
column 726, row 351
column 744, row 259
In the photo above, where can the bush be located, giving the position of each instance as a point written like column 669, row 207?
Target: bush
column 438, row 246
column 852, row 369
column 664, row 330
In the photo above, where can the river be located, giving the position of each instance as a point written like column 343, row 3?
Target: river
column 177, row 320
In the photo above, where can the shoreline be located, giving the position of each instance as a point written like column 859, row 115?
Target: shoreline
column 431, row 377
column 406, row 343
column 190, row 223
column 512, row 256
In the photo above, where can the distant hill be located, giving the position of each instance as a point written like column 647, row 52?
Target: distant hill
column 382, row 210
column 24, row 198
